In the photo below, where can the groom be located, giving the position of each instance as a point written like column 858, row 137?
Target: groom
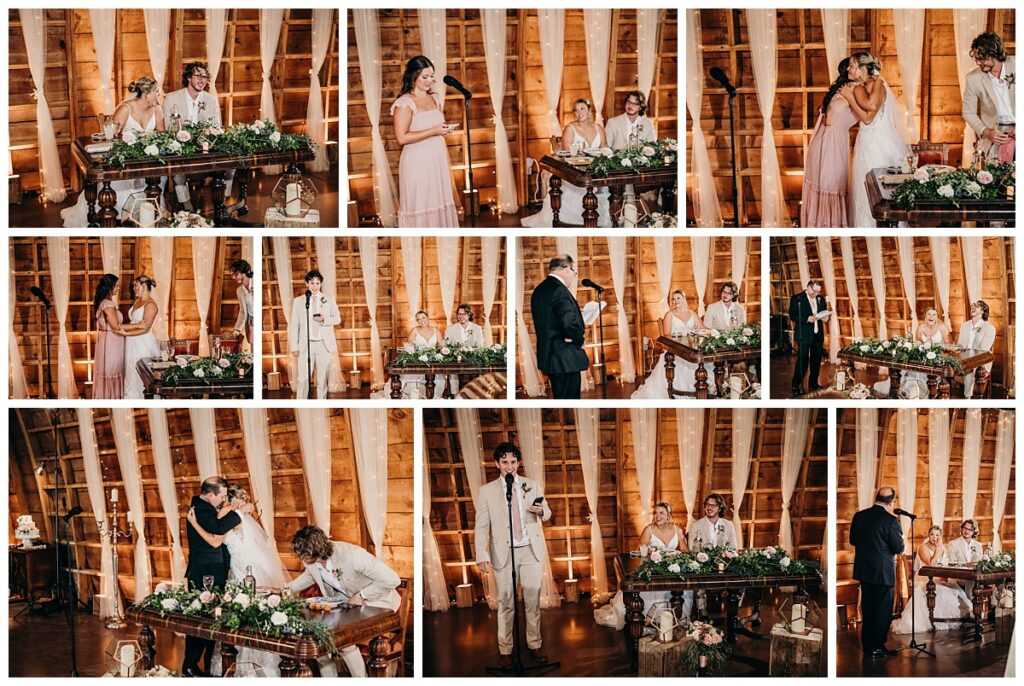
column 988, row 99
column 877, row 538
column 559, row 325
column 809, row 334
column 632, row 122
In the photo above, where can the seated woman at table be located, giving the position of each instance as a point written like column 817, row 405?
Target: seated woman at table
column 580, row 134
column 678, row 321
column 929, row 332
column 422, row 336
column 135, row 117
column 950, row 599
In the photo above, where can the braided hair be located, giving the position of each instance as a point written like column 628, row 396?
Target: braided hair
column 840, row 81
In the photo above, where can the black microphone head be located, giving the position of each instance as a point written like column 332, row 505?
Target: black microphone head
column 37, row 291
column 450, row 80
column 309, row 294
column 509, row 478
column 76, row 510
column 718, row 74
column 587, row 283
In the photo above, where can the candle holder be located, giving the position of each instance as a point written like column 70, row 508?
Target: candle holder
column 294, row 194
column 800, row 614
column 144, row 212
column 662, row 619
column 116, row 620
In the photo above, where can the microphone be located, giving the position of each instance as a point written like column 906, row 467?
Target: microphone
column 509, row 479
column 590, row 284
column 76, row 510
column 718, row 75
column 38, row 292
column 457, row 85
column 309, row 294
column 903, row 512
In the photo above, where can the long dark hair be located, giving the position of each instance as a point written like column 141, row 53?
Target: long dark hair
column 103, row 290
column 841, row 81
column 412, row 72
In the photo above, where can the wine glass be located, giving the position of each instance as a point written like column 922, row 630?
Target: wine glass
column 208, row 582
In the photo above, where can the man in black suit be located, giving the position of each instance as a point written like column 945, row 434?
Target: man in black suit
column 876, row 536
column 808, row 333
column 205, row 560
column 559, row 325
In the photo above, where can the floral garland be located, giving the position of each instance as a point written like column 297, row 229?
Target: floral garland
column 235, row 608
column 737, row 337
column 452, row 353
column 756, row 562
column 905, row 349
column 989, row 183
column 650, row 155
column 706, row 641
column 997, row 562
column 659, row 220
column 239, row 140
column 207, row 369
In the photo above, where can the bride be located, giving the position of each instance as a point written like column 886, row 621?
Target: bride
column 929, row 332
column 250, row 549
column 679, row 321
column 140, row 343
column 135, row 116
column 582, row 134
column 880, row 141
column 423, row 335
column 950, row 599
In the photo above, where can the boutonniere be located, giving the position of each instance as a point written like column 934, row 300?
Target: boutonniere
column 526, row 489
column 202, row 105
column 1010, row 78
column 720, row 528
column 323, row 300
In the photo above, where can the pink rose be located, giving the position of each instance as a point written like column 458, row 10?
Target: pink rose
column 770, row 550
column 204, row 597
column 228, row 597
column 709, row 639
column 273, row 600
column 984, row 177
column 655, row 557
column 184, row 136
column 223, row 363
column 921, row 174
column 128, row 137
column 702, row 557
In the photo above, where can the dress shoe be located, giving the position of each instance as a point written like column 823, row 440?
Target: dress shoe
column 505, row 662
column 193, row 672
column 889, row 652
column 797, row 390
column 539, row 655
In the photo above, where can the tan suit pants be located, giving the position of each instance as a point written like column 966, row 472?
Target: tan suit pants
column 528, row 571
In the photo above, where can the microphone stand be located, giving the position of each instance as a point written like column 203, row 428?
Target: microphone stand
column 473, row 204
column 69, row 610
column 309, row 354
column 732, row 139
column 914, row 645
column 600, row 343
column 49, row 369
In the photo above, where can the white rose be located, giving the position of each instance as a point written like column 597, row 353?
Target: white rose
column 972, row 188
column 784, row 562
column 175, row 146
column 655, row 557
column 195, row 605
column 128, row 137
column 747, row 331
column 423, row 358
column 279, row 619
column 694, row 565
column 627, row 163
column 648, row 151
column 199, row 373
column 946, row 191
column 446, row 351
column 675, row 568
column 151, row 150
column 243, row 599
column 169, row 604
column 275, row 137
column 730, row 341
column 931, row 355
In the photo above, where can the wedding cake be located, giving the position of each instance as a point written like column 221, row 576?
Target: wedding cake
column 26, row 530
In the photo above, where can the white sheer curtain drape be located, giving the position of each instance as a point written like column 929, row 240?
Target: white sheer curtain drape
column 367, row 34
column 283, row 273
column 703, row 194
column 938, row 462
column 617, row 254
column 204, row 253
column 435, row 588
column 850, row 274
column 587, row 426
column 597, row 29
column 123, row 428
column 162, row 249
column 494, row 29
column 1001, row 473
column 909, row 34
column 448, row 256
column 370, row 440
column 647, row 22
column 700, row 249
column 18, row 384
column 204, row 439
column 313, row 425
column 58, row 253
column 739, row 259
column 742, row 449
column 532, row 382
column 802, row 265
column 98, row 500
column 104, row 32
column 971, row 461
column 530, row 432
column 270, row 33
column 160, row 441
column 828, row 273
column 216, row 32
column 490, row 253
column 874, row 246
column 158, row 41
column 551, row 24
column 433, row 24
column 967, row 24
column 973, row 253
column 905, row 246
column 940, row 268
column 323, row 20
column 110, row 253
column 468, row 424
column 644, row 425
column 327, row 265
column 567, row 245
column 368, row 262
column 906, row 462
column 412, row 266
column 256, row 438
column 763, row 42
column 663, row 260
column 867, row 456
column 51, row 179
column 794, row 444
column 835, row 26
column 690, row 439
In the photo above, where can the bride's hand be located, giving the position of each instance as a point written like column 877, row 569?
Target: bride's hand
column 191, row 516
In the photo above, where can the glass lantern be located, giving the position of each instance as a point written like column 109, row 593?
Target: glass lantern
column 661, row 618
column 294, row 195
column 142, row 211
column 124, row 658
column 800, row 614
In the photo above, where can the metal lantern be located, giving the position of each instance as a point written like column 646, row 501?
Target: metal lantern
column 124, row 658
column 800, row 614
column 661, row 618
column 294, row 194
column 142, row 211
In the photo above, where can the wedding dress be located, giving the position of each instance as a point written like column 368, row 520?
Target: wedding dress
column 912, row 381
column 614, row 613
column 415, row 385
column 137, row 348
column 655, row 386
column 571, row 211
column 950, row 601
column 77, row 216
column 880, row 143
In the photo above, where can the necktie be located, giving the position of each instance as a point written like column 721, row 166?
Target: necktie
column 517, row 517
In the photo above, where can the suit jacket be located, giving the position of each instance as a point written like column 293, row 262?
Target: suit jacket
column 877, row 537
column 491, row 534
column 297, row 323
column 201, row 552
column 245, row 308
column 722, row 533
column 473, row 338
column 983, row 340
column 209, row 112
column 717, row 317
column 617, row 131
column 556, row 317
column 979, row 105
column 958, row 550
column 799, row 311
column 352, row 570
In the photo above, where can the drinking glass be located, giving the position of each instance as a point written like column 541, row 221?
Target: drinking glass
column 208, row 582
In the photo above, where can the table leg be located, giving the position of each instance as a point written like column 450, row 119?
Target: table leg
column 634, row 619
column 396, row 386
column 290, row 667
column 228, row 658
column 590, row 208
column 670, row 372
column 981, row 379
column 242, row 178
column 719, row 375
column 220, row 215
column 700, row 385
column 732, row 620
column 90, row 203
column 615, row 194
column 153, row 191
column 929, row 590
column 933, row 386
column 195, row 193
column 447, row 392
column 668, row 198
column 431, row 384
column 676, row 602
column 147, row 645
column 895, row 376
column 978, row 598
column 555, row 191
column 944, row 387
column 378, row 666
column 107, row 216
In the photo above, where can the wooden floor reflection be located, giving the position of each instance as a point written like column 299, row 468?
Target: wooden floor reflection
column 952, row 656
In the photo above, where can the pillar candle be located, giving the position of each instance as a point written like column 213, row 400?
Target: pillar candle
column 293, row 206
column 799, row 618
column 113, row 495
column 147, row 214
column 665, row 626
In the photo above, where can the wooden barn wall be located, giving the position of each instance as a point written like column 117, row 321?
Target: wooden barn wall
column 619, row 507
column 642, row 298
column 72, row 83
column 998, row 289
column 803, row 80
column 846, row 492
column 527, row 124
column 353, row 335
column 30, row 263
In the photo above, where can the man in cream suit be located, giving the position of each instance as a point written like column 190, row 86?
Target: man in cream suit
column 965, row 549
column 317, row 312
column 464, row 331
column 491, row 539
column 343, row 570
column 712, row 530
column 726, row 313
column 988, row 99
column 976, row 334
column 633, row 121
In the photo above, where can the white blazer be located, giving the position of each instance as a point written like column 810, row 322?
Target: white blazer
column 717, row 316
column 297, row 323
column 983, row 340
column 617, row 131
column 209, row 107
column 491, row 534
column 979, row 104
column 352, row 570
column 722, row 533
column 471, row 337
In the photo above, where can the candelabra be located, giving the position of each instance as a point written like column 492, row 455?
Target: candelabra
column 116, row 621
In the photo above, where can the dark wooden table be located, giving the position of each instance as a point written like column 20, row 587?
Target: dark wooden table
column 940, row 377
column 933, row 212
column 430, row 372
column 299, row 653
column 31, row 573
column 97, row 172
column 223, row 387
column 984, row 582
column 688, row 348
column 666, row 177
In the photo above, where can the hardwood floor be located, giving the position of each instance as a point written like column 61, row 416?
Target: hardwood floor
column 952, row 656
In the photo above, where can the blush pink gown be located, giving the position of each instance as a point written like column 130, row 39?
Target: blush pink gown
column 108, row 367
column 425, row 196
column 826, row 169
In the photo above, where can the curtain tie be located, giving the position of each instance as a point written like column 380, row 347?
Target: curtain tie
column 35, row 95
column 266, row 75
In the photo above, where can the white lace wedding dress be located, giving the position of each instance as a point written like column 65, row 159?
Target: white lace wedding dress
column 414, row 385
column 137, row 348
column 879, row 144
column 614, row 613
column 911, row 381
column 655, row 386
column 571, row 211
column 77, row 216
column 950, row 601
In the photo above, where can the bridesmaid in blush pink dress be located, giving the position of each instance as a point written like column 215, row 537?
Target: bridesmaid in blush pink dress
column 108, row 367
column 826, row 167
column 424, row 175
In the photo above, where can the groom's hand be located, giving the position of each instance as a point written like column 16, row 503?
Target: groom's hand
column 996, row 136
column 356, row 600
column 486, row 567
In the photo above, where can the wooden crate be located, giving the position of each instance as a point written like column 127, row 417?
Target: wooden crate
column 795, row 654
column 661, row 659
